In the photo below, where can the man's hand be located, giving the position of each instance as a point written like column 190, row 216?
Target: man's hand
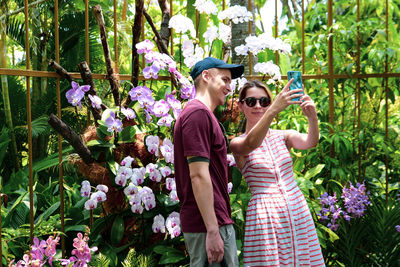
column 214, row 246
column 203, row 193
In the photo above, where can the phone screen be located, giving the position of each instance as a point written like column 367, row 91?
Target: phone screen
column 297, row 82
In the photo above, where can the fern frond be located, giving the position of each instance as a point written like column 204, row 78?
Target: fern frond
column 100, row 260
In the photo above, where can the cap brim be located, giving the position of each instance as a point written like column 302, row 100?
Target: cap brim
column 236, row 70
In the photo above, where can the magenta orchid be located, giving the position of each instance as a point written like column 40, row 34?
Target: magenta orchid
column 85, row 189
column 158, row 224
column 138, row 175
column 173, row 224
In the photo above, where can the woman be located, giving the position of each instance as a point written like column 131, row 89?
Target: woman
column 279, row 228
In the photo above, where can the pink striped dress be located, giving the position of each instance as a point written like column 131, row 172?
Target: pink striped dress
column 279, row 228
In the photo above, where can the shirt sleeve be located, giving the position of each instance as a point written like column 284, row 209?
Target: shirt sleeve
column 196, row 134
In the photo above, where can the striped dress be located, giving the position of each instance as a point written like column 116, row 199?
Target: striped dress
column 279, row 228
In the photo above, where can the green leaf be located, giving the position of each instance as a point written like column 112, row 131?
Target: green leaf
column 113, row 166
column 76, row 228
column 172, row 257
column 128, row 134
column 4, row 140
column 51, row 160
column 47, row 213
column 236, row 177
column 169, row 254
column 117, row 230
column 314, row 171
column 166, row 200
column 332, row 235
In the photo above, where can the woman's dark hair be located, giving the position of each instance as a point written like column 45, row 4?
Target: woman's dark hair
column 250, row 84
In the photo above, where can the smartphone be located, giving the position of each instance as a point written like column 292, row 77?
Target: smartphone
column 297, row 82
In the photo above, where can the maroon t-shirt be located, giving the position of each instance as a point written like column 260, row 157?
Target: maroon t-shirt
column 197, row 133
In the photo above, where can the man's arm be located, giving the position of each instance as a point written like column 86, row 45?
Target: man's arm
column 203, row 193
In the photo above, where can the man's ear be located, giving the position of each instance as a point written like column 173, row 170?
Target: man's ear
column 205, row 75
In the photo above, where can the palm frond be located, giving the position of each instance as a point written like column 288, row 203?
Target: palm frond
column 16, row 30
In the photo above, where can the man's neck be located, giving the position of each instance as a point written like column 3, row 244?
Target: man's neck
column 206, row 100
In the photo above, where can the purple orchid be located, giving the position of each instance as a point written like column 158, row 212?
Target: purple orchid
column 175, row 104
column 144, row 47
column 113, row 124
column 152, row 71
column 128, row 113
column 188, row 92
column 152, row 143
column 146, row 102
column 355, row 199
column 136, row 92
column 75, row 95
column 165, row 121
column 160, row 108
column 330, row 209
column 96, row 101
column 167, row 150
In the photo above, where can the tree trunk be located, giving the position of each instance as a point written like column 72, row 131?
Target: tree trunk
column 239, row 32
column 111, row 75
column 73, row 139
column 6, row 97
column 165, row 32
column 136, row 31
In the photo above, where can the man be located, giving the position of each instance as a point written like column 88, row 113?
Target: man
column 201, row 168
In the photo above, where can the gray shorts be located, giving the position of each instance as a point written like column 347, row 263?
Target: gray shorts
column 196, row 247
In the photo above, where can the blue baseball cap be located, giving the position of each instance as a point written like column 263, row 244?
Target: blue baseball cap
column 210, row 62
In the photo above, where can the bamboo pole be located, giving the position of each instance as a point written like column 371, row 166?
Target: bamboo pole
column 115, row 37
column 249, row 33
column 330, row 76
column 127, row 77
column 276, row 53
column 87, row 32
column 29, row 119
column 387, row 101
column 171, row 6
column 276, row 32
column 358, row 91
column 303, row 54
column 60, row 169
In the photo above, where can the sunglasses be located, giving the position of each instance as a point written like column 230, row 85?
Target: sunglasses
column 252, row 101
